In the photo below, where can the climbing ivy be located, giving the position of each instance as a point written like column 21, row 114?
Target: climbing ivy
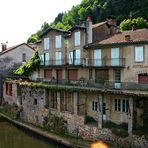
column 29, row 67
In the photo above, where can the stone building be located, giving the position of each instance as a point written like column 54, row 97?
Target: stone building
column 11, row 58
column 84, row 73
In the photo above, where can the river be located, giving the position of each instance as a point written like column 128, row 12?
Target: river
column 14, row 137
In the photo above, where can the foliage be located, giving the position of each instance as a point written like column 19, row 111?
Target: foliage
column 12, row 111
column 99, row 10
column 29, row 67
column 117, row 129
column 138, row 23
column 55, row 123
column 89, row 119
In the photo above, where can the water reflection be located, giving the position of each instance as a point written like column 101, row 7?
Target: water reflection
column 12, row 137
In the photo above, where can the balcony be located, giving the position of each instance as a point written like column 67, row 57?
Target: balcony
column 125, row 85
column 62, row 62
column 106, row 62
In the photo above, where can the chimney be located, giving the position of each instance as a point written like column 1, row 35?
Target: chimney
column 127, row 37
column 89, row 29
column 4, row 46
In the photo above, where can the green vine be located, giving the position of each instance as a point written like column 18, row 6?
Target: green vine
column 28, row 68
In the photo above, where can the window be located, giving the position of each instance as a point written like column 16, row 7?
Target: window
column 77, row 56
column 77, row 38
column 97, row 57
column 47, row 62
column 139, row 54
column 58, row 41
column 117, row 74
column 124, row 105
column 58, row 58
column 46, row 43
column 70, row 57
column 35, row 102
column 117, row 105
column 114, row 56
column 94, row 105
column 24, row 57
column 121, row 103
column 42, row 59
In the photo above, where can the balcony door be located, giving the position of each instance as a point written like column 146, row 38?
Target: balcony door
column 58, row 58
column 114, row 56
column 77, row 57
column 97, row 57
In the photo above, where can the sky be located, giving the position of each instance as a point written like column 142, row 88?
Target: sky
column 21, row 18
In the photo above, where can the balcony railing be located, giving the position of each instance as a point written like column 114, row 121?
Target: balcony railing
column 105, row 62
column 110, row 62
column 125, row 85
column 111, row 85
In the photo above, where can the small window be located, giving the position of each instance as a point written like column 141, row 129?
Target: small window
column 124, row 105
column 35, row 102
column 139, row 54
column 77, row 38
column 58, row 41
column 117, row 105
column 24, row 57
column 46, row 43
column 94, row 105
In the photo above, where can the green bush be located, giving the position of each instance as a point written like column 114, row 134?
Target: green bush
column 89, row 119
column 137, row 22
column 29, row 67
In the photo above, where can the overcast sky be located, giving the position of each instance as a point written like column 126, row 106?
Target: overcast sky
column 21, row 18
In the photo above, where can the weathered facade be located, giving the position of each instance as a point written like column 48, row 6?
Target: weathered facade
column 84, row 77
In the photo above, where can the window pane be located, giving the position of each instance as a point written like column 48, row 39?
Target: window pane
column 46, row 43
column 70, row 57
column 58, row 41
column 139, row 54
column 77, row 38
column 77, row 56
column 58, row 58
column 97, row 57
column 46, row 58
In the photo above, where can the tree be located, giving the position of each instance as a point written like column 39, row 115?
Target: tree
column 138, row 23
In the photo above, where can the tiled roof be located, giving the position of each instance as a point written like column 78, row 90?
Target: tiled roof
column 136, row 36
column 98, row 24
column 55, row 29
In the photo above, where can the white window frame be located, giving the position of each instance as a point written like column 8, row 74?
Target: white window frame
column 97, row 57
column 58, row 57
column 47, row 58
column 77, row 57
column 77, row 38
column 70, row 57
column 58, row 41
column 46, row 43
column 115, row 57
column 94, row 105
column 139, row 54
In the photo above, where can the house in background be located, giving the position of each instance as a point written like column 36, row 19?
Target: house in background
column 13, row 57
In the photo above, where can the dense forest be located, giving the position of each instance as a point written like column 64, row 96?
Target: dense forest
column 99, row 10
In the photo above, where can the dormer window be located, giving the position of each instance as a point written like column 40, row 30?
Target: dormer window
column 58, row 41
column 77, row 39
column 46, row 43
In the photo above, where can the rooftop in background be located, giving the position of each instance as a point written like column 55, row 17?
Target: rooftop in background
column 126, row 37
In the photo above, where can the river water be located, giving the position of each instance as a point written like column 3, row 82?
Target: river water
column 13, row 137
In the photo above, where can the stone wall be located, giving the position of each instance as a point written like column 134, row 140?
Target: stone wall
column 33, row 102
